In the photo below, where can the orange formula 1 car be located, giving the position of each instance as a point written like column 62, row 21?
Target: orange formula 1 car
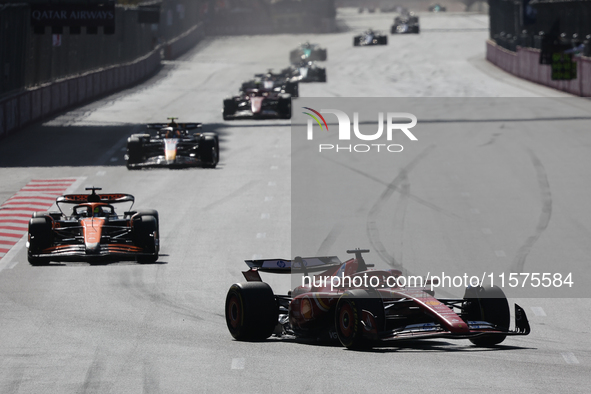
column 93, row 232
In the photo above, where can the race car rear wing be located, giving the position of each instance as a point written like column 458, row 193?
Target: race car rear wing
column 106, row 198
column 297, row 265
column 182, row 126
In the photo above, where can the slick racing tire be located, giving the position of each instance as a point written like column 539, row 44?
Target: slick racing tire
column 383, row 40
column 416, row 29
column 356, row 42
column 134, row 151
column 39, row 239
column 145, row 235
column 349, row 314
column 149, row 212
column 230, row 108
column 251, row 311
column 209, row 150
column 322, row 55
column 292, row 88
column 295, row 56
column 487, row 304
column 284, row 108
column 48, row 215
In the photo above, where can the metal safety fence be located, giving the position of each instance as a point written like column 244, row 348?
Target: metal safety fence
column 28, row 59
column 532, row 23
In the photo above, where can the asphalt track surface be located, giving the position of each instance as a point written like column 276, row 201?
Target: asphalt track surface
column 160, row 328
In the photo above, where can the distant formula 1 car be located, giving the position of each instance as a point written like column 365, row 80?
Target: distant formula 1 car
column 370, row 37
column 405, row 24
column 173, row 145
column 437, row 8
column 330, row 306
column 305, row 71
column 93, row 232
column 258, row 103
column 307, row 51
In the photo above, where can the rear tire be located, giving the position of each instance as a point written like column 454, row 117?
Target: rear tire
column 292, row 88
column 145, row 233
column 149, row 212
column 284, row 108
column 209, row 151
column 135, row 154
column 230, row 108
column 251, row 311
column 294, row 56
column 39, row 239
column 487, row 304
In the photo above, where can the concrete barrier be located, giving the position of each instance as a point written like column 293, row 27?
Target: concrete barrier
column 525, row 63
column 23, row 108
column 181, row 44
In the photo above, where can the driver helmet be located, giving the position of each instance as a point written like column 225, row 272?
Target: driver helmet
column 167, row 131
column 98, row 211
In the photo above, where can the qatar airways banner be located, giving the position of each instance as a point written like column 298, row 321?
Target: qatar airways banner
column 73, row 15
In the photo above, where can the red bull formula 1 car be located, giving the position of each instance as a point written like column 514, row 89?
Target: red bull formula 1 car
column 361, row 316
column 173, row 145
column 91, row 231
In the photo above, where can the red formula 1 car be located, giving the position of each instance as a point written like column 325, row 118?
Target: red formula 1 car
column 93, row 232
column 258, row 103
column 362, row 316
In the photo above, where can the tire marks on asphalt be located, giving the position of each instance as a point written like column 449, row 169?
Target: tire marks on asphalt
column 330, row 239
column 402, row 185
column 543, row 220
column 93, row 380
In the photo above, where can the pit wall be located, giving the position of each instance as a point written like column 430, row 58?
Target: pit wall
column 525, row 63
column 31, row 105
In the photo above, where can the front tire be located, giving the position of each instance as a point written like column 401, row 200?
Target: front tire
column 487, row 304
column 39, row 239
column 349, row 317
column 251, row 311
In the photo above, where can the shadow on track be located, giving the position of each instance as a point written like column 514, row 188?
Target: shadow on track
column 73, row 146
column 406, row 346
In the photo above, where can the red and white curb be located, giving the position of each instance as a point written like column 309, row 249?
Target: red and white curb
column 37, row 195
